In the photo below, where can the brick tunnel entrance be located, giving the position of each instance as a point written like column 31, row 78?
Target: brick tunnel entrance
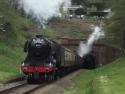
column 101, row 53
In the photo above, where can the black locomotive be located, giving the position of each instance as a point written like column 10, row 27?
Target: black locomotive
column 46, row 59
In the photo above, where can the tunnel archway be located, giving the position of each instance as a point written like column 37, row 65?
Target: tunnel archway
column 89, row 62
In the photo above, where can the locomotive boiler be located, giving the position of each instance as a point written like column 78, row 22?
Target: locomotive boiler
column 46, row 59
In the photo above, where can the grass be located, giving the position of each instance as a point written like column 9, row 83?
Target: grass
column 10, row 59
column 48, row 32
column 111, row 78
column 12, row 41
column 105, row 80
column 74, row 28
column 5, row 76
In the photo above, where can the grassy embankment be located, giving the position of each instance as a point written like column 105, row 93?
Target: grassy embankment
column 74, row 28
column 109, row 79
column 12, row 40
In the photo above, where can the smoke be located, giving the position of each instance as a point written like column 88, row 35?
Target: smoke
column 85, row 48
column 43, row 10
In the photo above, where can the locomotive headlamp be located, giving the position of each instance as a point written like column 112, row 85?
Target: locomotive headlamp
column 25, row 64
column 49, row 65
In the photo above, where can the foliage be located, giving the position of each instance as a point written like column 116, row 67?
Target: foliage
column 80, row 11
column 99, row 4
column 48, row 32
column 18, row 25
column 116, row 23
column 17, row 30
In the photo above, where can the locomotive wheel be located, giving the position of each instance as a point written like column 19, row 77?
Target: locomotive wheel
column 29, row 80
column 51, row 77
column 55, row 77
column 55, row 74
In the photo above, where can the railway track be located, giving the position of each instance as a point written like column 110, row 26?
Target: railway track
column 38, row 87
column 24, row 88
column 8, row 90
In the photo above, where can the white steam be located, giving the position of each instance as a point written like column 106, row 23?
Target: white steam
column 42, row 10
column 85, row 48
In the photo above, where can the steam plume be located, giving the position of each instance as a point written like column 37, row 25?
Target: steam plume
column 42, row 10
column 85, row 48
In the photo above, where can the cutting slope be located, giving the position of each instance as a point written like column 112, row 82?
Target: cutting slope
column 14, row 30
column 105, row 80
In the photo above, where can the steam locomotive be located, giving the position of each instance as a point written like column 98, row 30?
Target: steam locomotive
column 47, row 60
